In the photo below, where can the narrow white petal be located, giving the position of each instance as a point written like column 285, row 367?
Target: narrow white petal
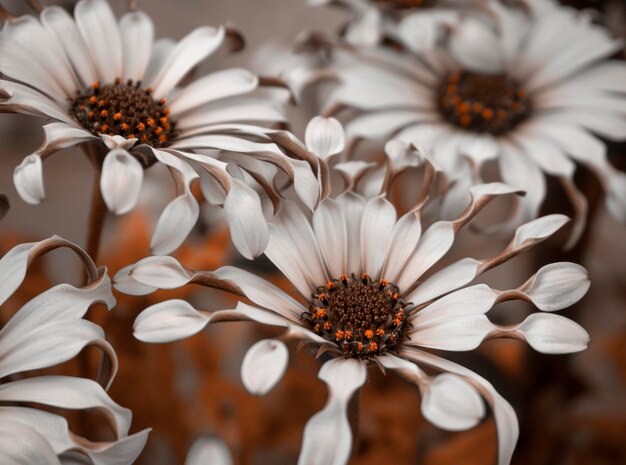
column 377, row 224
column 324, row 136
column 381, row 125
column 457, row 334
column 327, row 435
column 137, row 34
column 365, row 29
column 190, row 51
column 120, row 183
column 553, row 334
column 68, row 392
column 352, row 206
column 161, row 51
column 215, row 86
column 123, row 282
column 473, row 300
column 243, row 212
column 28, row 179
column 404, row 238
column 331, row 232
column 60, row 135
column 538, row 229
column 21, row 445
column 208, row 451
column 476, row 46
column 168, row 321
column 264, row 365
column 557, row 286
column 98, row 26
column 160, row 272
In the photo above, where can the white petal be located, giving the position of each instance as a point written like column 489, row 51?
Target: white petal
column 168, row 321
column 21, row 445
column 120, row 183
column 24, row 99
column 331, row 232
column 248, row 227
column 377, row 223
column 264, row 366
column 181, row 214
column 207, row 451
column 215, row 86
column 616, row 196
column 123, row 282
column 404, row 238
column 557, row 286
column 451, row 403
column 476, row 46
column 352, row 206
column 161, row 51
column 554, row 334
column 365, row 29
column 324, row 136
column 28, row 179
column 68, row 392
column 538, row 229
column 137, row 34
column 98, row 27
column 294, row 250
column 327, row 435
column 190, row 51
column 58, row 136
column 60, row 23
column 160, row 272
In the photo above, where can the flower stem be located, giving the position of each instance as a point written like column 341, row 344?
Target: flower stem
column 98, row 210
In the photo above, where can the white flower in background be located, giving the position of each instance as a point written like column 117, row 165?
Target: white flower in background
column 369, row 292
column 110, row 87
column 534, row 95
column 208, row 451
column 47, row 331
column 376, row 20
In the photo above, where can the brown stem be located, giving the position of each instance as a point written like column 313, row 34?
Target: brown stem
column 35, row 5
column 354, row 407
column 97, row 213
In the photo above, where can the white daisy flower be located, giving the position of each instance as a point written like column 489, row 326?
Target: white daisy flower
column 369, row 292
column 534, row 95
column 47, row 331
column 110, row 88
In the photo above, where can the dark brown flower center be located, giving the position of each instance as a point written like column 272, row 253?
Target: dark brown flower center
column 124, row 109
column 363, row 317
column 491, row 103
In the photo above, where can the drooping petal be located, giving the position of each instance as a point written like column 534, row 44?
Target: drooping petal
column 264, row 365
column 553, row 334
column 169, row 321
column 327, row 435
column 536, row 230
column 21, row 445
column 120, row 183
column 324, row 136
column 28, row 179
column 557, row 286
column 243, row 212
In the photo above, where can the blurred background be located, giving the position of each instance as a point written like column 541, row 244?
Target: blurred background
column 572, row 408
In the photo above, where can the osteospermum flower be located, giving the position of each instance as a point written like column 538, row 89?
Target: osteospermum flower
column 49, row 330
column 368, row 292
column 113, row 90
column 533, row 90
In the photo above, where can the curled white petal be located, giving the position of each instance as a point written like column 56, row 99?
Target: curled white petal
column 264, row 365
column 28, row 179
column 553, row 334
column 120, row 183
column 168, row 321
column 324, row 136
column 557, row 286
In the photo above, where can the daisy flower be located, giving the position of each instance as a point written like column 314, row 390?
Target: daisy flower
column 370, row 291
column 533, row 91
column 110, row 88
column 47, row 331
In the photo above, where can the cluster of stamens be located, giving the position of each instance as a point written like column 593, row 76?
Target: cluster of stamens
column 364, row 317
column 490, row 103
column 124, row 109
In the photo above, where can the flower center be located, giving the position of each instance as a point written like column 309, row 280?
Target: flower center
column 363, row 317
column 490, row 103
column 124, row 109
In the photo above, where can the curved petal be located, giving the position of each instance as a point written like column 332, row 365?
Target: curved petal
column 28, row 179
column 553, row 334
column 324, row 136
column 557, row 286
column 123, row 282
column 264, row 366
column 169, row 321
column 327, row 435
column 120, row 183
column 21, row 445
